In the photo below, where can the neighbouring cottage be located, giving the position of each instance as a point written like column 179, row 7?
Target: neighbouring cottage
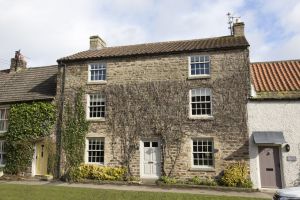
column 140, row 98
column 274, row 124
column 20, row 84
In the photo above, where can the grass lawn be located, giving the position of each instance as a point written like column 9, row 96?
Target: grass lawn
column 30, row 192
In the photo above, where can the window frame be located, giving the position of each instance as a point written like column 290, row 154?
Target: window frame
column 89, row 73
column 102, row 139
column 193, row 76
column 208, row 167
column 202, row 116
column 6, row 111
column 2, row 152
column 88, row 107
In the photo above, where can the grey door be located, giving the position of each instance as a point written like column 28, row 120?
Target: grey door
column 269, row 167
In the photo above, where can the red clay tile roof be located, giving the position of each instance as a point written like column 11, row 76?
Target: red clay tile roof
column 276, row 77
column 224, row 42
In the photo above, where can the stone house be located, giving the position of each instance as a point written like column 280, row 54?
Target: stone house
column 274, row 124
column 216, row 71
column 20, row 84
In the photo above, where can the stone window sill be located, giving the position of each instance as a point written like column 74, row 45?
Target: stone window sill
column 198, row 77
column 93, row 163
column 204, row 169
column 205, row 117
column 96, row 120
column 97, row 82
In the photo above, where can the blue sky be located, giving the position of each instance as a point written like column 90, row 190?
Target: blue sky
column 49, row 29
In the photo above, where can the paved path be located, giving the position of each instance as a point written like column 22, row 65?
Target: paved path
column 145, row 188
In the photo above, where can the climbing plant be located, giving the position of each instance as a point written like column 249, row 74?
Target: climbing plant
column 74, row 132
column 143, row 110
column 28, row 122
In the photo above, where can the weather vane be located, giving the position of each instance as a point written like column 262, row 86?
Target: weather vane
column 231, row 19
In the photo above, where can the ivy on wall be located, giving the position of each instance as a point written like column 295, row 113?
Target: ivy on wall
column 142, row 110
column 28, row 122
column 74, row 132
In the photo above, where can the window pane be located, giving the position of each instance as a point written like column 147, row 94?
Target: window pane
column 96, row 106
column 146, row 144
column 154, row 144
column 3, row 119
column 97, row 72
column 96, row 150
column 203, row 152
column 199, row 65
column 201, row 101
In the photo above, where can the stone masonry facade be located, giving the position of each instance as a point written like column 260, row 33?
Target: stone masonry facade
column 228, row 80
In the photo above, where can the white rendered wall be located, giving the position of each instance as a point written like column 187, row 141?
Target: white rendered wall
column 281, row 116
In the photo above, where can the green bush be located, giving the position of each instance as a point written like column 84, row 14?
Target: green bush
column 95, row 172
column 236, row 175
column 168, row 180
column 28, row 122
column 198, row 181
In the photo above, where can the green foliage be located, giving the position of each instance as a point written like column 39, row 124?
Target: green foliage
column 236, row 175
column 27, row 123
column 198, row 181
column 50, row 148
column 74, row 132
column 96, row 172
column 168, row 180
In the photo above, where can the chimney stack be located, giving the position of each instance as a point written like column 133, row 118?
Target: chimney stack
column 238, row 29
column 96, row 43
column 18, row 62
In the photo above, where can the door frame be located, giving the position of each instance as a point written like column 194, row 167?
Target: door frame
column 142, row 158
column 280, row 163
column 33, row 163
column 34, row 159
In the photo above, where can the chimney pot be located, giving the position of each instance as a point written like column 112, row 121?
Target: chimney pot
column 238, row 29
column 96, row 43
column 18, row 62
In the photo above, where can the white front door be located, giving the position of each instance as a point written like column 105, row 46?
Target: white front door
column 150, row 159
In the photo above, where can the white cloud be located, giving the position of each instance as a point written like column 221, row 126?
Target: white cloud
column 274, row 30
column 50, row 29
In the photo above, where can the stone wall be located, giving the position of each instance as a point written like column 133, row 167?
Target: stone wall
column 229, row 82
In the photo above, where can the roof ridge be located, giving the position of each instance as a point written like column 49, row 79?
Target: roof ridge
column 275, row 61
column 48, row 66
column 30, row 68
column 169, row 41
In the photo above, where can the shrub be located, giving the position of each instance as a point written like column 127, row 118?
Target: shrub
column 168, row 180
column 95, row 172
column 198, row 181
column 236, row 175
column 28, row 122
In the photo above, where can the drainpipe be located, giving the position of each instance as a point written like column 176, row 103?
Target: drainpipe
column 60, row 121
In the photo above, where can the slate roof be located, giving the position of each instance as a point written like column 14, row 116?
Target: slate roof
column 276, row 79
column 225, row 42
column 38, row 83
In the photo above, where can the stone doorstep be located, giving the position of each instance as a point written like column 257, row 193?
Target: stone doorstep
column 148, row 181
column 44, row 177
